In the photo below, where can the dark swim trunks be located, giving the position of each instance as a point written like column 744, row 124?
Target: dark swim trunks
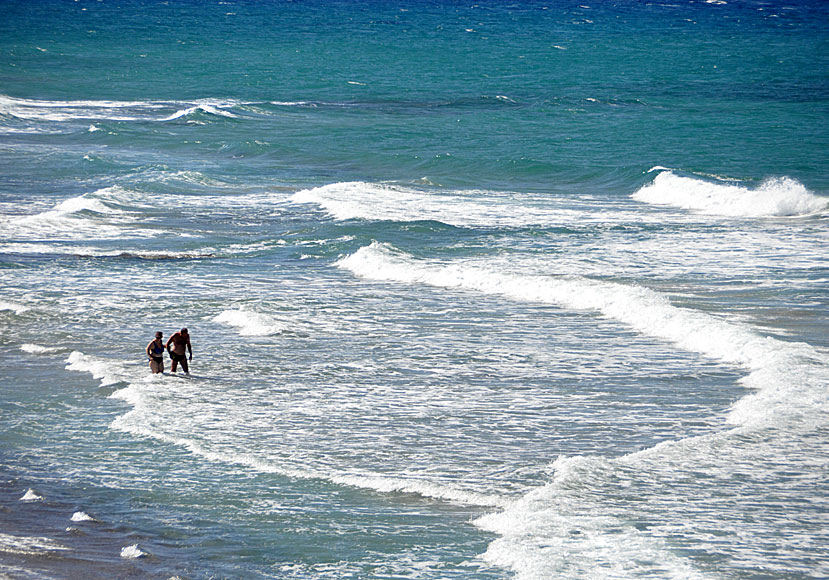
column 178, row 357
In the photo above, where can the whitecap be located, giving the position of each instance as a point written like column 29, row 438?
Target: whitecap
column 80, row 516
column 387, row 202
column 107, row 371
column 133, row 552
column 94, row 215
column 31, row 496
column 29, row 545
column 251, row 323
column 45, row 110
column 209, row 108
column 775, row 197
column 38, row 349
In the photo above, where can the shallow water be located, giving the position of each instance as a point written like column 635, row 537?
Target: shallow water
column 488, row 291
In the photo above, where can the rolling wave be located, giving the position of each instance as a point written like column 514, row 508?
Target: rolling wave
column 779, row 197
column 87, row 216
column 388, row 202
column 95, row 110
column 217, row 109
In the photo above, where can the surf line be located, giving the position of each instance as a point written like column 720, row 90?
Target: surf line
column 638, row 307
column 785, row 376
column 141, row 397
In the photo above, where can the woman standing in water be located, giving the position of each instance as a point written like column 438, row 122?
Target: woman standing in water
column 155, row 352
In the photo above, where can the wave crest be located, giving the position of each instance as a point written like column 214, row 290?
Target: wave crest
column 776, row 197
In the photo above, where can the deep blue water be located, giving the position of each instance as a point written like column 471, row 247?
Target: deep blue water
column 491, row 290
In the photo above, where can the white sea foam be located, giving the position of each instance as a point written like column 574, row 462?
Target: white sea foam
column 377, row 201
column 13, row 307
column 146, row 403
column 773, row 198
column 294, row 103
column 44, row 110
column 38, row 349
column 29, row 545
column 82, row 517
column 251, row 323
column 92, row 215
column 85, row 110
column 107, row 371
column 132, row 552
column 212, row 108
column 551, row 533
column 640, row 308
column 556, row 530
column 31, row 496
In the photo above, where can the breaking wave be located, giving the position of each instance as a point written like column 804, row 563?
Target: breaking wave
column 102, row 110
column 778, row 197
column 387, row 202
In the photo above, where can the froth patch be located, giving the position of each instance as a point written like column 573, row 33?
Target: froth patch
column 209, row 108
column 139, row 421
column 778, row 197
column 387, row 202
column 92, row 215
column 29, row 545
column 556, row 530
column 37, row 349
column 107, row 371
column 31, row 496
column 82, row 517
column 13, row 307
column 251, row 323
column 132, row 552
column 92, row 110
column 562, row 529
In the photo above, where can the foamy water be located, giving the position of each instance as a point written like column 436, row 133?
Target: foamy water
column 475, row 292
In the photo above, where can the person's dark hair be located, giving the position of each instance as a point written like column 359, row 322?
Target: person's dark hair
column 159, row 334
column 184, row 331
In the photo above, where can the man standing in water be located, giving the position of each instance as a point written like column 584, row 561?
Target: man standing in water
column 180, row 341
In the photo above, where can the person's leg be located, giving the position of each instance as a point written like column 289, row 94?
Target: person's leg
column 184, row 365
column 173, row 364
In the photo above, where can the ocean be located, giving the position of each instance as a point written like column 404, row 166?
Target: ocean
column 485, row 290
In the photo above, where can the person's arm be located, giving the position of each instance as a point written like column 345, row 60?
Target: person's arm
column 149, row 346
column 167, row 346
column 190, row 348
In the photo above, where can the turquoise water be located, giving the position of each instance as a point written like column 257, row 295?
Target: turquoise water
column 531, row 290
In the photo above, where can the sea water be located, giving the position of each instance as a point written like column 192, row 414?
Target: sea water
column 476, row 290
